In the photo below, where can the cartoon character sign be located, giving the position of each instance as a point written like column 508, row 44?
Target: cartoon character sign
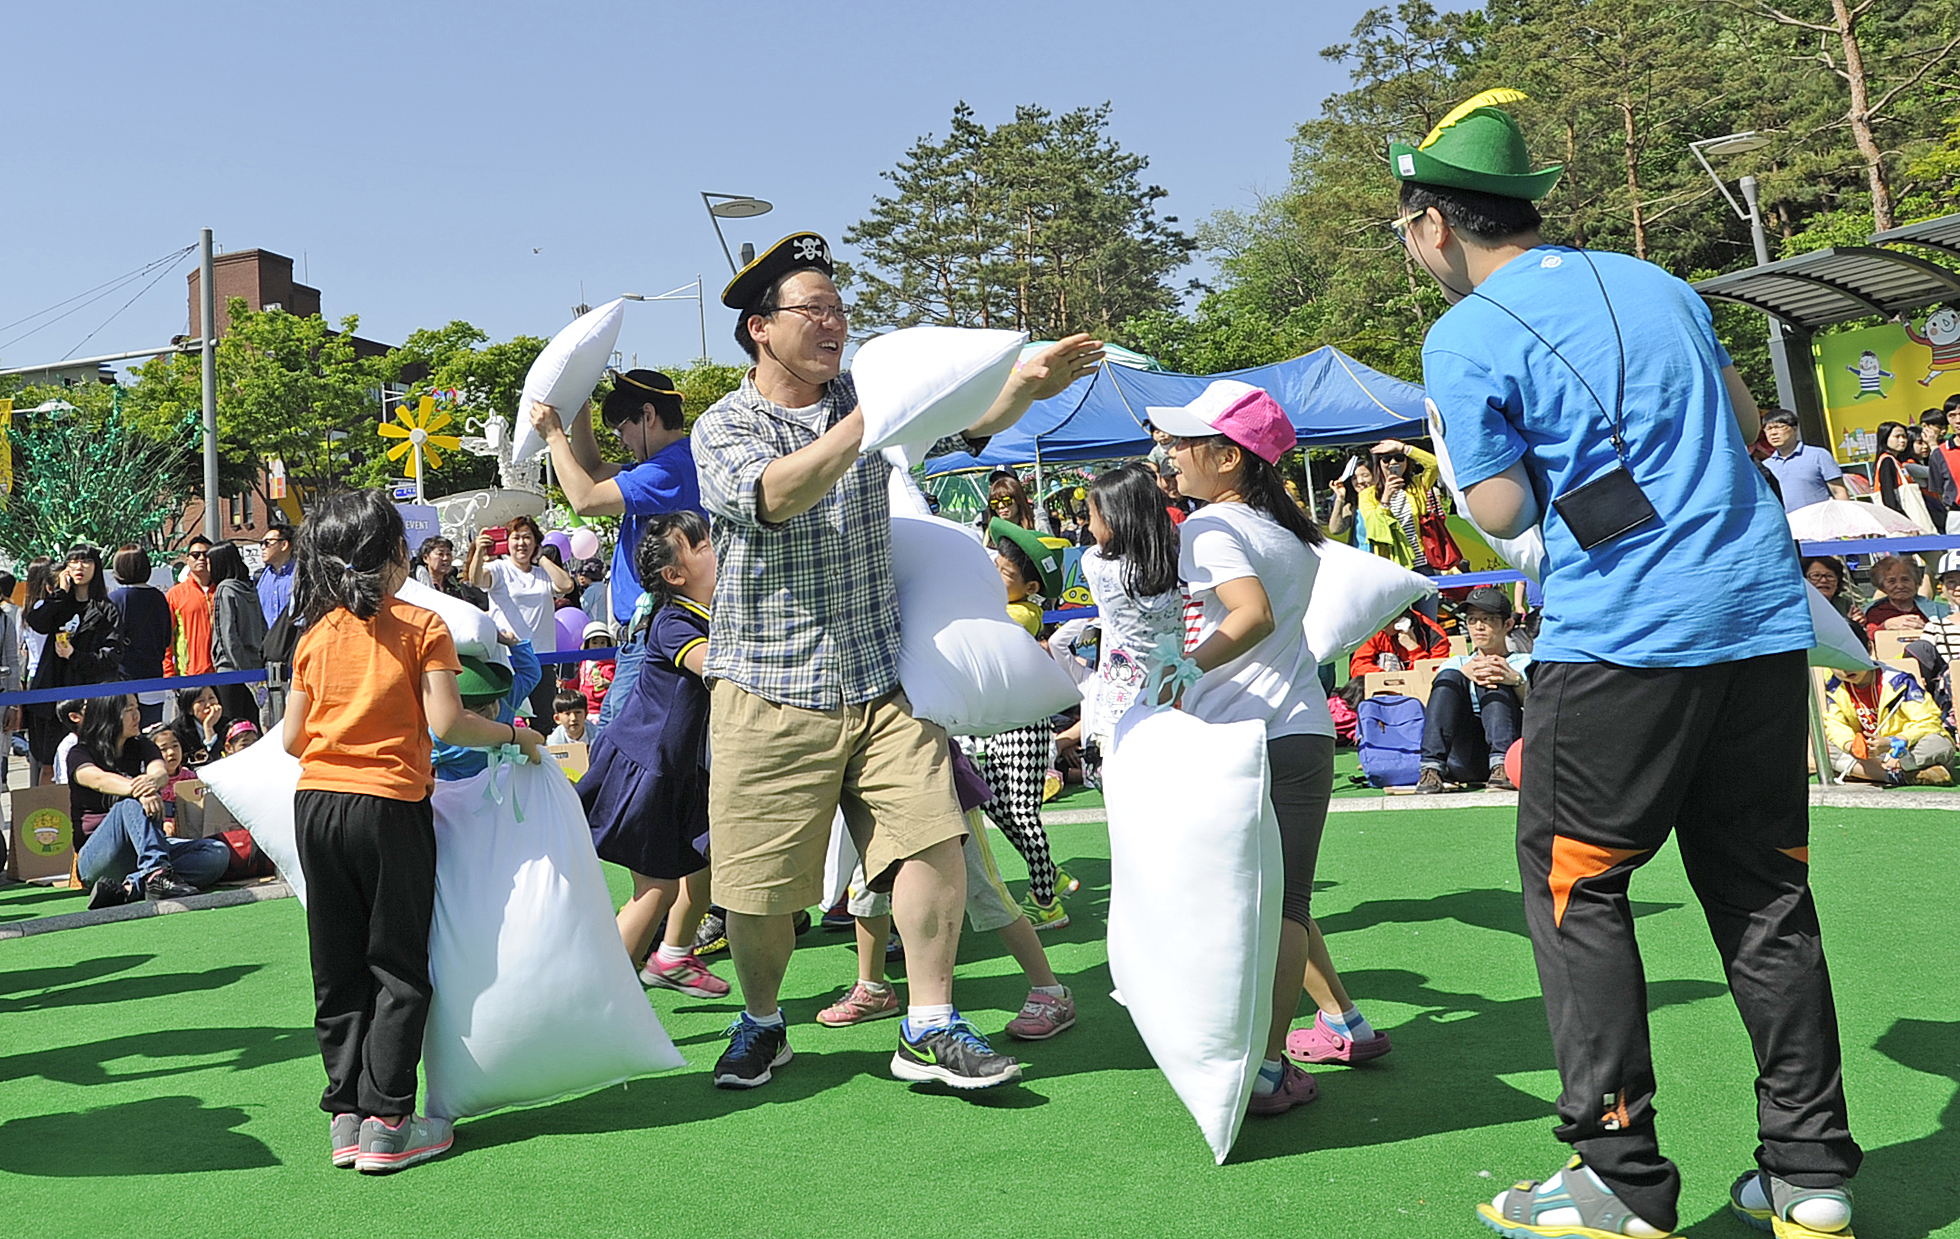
column 1940, row 333
column 1870, row 374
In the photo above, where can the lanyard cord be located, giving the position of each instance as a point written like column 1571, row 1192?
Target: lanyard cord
column 1618, row 416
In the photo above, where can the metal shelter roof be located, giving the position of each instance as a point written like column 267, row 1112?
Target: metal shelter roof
column 1942, row 234
column 1836, row 285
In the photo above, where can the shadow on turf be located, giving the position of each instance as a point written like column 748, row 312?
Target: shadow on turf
column 1444, row 1075
column 1495, row 909
column 1908, row 1190
column 128, row 989
column 241, row 1049
column 21, row 980
column 159, row 1135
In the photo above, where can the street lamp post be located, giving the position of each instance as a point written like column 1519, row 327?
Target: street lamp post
column 732, row 206
column 1741, row 144
column 682, row 294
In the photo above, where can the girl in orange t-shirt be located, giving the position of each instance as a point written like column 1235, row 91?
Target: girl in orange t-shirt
column 371, row 678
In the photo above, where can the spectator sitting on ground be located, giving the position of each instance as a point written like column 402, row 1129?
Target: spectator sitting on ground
column 1898, row 603
column 240, row 736
column 1938, row 648
column 116, row 798
column 1866, row 710
column 1476, row 704
column 568, row 710
column 1397, row 647
column 199, row 713
column 1833, row 580
column 174, row 770
column 69, row 711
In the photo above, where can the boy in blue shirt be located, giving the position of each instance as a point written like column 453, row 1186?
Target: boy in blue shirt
column 1587, row 392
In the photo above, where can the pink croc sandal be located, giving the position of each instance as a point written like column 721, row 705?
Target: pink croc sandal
column 1321, row 1044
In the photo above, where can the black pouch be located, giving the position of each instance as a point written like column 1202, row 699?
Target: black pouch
column 1604, row 508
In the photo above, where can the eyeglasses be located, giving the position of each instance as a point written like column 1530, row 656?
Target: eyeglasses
column 819, row 313
column 271, row 540
column 197, row 554
column 1401, row 226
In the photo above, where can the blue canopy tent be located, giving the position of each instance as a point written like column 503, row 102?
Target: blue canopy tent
column 1330, row 397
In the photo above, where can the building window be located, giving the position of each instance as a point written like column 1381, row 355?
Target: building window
column 241, row 510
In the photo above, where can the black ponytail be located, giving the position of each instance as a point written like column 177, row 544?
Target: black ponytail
column 658, row 550
column 1141, row 535
column 346, row 549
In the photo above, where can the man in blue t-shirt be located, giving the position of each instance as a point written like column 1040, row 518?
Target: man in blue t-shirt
column 644, row 410
column 1587, row 393
column 1805, row 474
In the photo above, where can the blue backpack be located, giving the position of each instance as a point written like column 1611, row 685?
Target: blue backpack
column 1388, row 729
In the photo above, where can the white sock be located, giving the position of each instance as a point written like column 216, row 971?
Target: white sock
column 673, row 954
column 1271, row 1072
column 1053, row 991
column 1350, row 1024
column 920, row 1018
column 772, row 1020
column 880, row 988
column 1824, row 1213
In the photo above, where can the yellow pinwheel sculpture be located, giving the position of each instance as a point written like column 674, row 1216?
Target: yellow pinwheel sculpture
column 420, row 441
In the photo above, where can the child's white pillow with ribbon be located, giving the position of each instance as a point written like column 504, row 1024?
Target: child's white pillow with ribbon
column 917, row 385
column 962, row 663
column 1199, row 989
column 564, row 374
column 1354, row 595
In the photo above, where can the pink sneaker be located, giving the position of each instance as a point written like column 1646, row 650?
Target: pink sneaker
column 688, row 975
column 1321, row 1044
column 859, row 1003
column 1042, row 1016
column 1296, row 1088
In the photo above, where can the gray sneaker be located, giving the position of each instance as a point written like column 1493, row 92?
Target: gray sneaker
column 344, row 1135
column 386, row 1149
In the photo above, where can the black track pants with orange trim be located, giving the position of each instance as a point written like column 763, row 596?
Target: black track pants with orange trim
column 1616, row 759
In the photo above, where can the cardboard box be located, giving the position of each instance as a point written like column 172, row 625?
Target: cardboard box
column 1889, row 645
column 41, row 837
column 574, row 757
column 1412, row 683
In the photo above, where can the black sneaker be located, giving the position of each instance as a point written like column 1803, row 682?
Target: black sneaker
column 801, row 921
column 753, row 1051
column 163, row 884
column 713, row 934
column 107, row 894
column 1430, row 783
column 956, row 1055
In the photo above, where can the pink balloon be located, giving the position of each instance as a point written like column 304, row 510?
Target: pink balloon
column 584, row 543
column 558, row 539
column 571, row 627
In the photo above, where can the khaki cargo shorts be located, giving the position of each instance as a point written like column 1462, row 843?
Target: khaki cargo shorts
column 780, row 775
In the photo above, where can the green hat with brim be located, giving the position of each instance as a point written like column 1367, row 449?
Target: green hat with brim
column 481, row 682
column 1478, row 147
column 1047, row 560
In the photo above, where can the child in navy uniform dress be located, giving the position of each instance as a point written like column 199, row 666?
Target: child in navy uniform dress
column 646, row 791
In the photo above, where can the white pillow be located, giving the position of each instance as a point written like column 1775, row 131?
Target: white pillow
column 1355, row 593
column 534, row 996
column 962, row 662
column 1837, row 646
column 917, row 385
column 1200, row 990
column 1526, row 552
column 473, row 631
column 564, row 374
column 258, row 786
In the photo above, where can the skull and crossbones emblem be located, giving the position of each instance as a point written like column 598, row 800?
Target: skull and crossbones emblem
column 810, row 249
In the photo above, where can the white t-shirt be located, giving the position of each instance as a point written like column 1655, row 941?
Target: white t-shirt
column 1276, row 681
column 521, row 602
column 61, row 753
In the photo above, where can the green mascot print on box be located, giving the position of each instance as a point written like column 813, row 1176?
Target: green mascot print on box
column 1886, row 374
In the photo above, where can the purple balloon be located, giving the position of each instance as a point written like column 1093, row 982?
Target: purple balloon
column 562, row 540
column 571, row 627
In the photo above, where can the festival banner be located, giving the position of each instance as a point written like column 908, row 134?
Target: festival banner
column 1886, row 374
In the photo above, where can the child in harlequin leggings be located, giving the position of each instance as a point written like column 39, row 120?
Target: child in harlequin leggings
column 372, row 677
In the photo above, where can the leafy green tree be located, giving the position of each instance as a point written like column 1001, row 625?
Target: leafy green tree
column 82, row 473
column 487, row 377
column 1041, row 224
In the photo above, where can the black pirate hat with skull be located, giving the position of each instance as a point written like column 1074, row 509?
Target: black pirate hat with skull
column 800, row 251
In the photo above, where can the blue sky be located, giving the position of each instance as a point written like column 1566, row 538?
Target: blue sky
column 412, row 157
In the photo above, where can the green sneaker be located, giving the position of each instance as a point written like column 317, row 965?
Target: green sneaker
column 1048, row 916
column 1064, row 884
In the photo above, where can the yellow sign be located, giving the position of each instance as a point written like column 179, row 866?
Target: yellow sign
column 6, row 449
column 1886, row 374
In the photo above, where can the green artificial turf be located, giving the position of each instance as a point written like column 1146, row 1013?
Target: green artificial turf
column 159, row 1077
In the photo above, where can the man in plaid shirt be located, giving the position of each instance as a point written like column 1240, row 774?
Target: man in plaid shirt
column 807, row 717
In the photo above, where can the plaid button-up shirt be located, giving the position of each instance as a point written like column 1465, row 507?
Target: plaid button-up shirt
column 805, row 611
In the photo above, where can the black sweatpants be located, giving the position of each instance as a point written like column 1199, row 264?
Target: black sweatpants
column 370, row 866
column 1616, row 759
